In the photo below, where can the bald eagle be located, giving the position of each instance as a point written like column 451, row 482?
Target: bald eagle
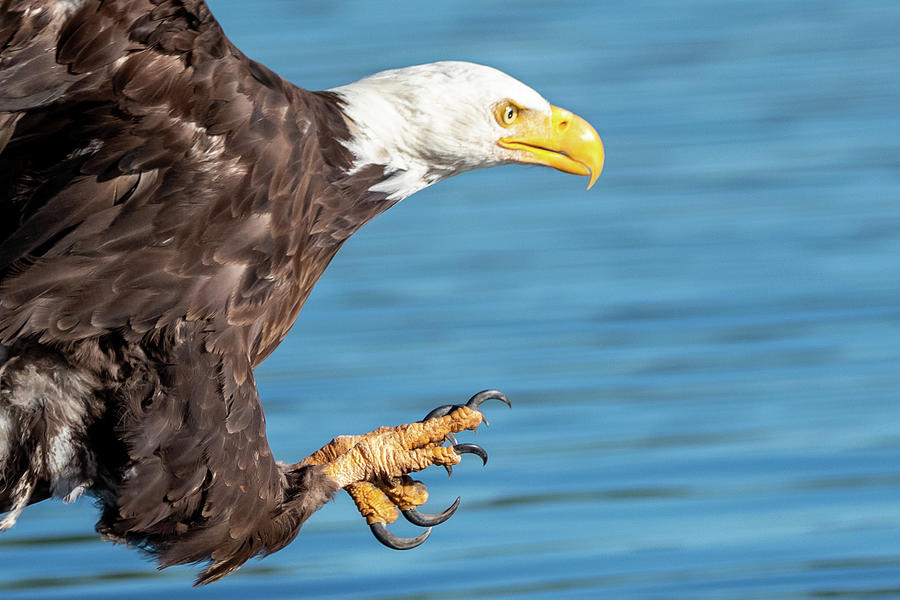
column 167, row 205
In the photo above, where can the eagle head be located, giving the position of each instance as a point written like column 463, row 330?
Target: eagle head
column 429, row 122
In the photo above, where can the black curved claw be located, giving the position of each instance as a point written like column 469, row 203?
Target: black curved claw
column 472, row 449
column 474, row 402
column 479, row 398
column 440, row 411
column 453, row 442
column 429, row 519
column 381, row 533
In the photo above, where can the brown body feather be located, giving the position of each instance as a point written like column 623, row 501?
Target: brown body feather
column 167, row 205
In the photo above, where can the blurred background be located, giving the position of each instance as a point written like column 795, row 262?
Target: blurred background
column 703, row 352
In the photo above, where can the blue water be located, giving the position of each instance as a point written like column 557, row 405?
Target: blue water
column 703, row 351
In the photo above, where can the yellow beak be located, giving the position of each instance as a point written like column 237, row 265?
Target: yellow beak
column 567, row 143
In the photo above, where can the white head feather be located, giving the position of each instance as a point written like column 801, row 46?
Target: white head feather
column 429, row 122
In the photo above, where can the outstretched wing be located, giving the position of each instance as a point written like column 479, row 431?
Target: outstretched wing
column 149, row 173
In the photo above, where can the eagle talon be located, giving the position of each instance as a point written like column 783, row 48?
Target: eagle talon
column 429, row 519
column 374, row 468
column 474, row 403
column 453, row 442
column 480, row 398
column 440, row 411
column 381, row 533
column 472, row 449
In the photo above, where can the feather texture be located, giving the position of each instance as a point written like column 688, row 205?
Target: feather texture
column 167, row 206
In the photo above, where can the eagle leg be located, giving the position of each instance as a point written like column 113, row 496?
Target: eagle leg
column 374, row 468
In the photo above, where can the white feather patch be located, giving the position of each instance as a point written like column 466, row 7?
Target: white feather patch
column 429, row 122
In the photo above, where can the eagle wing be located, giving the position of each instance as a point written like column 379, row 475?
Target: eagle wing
column 150, row 172
column 200, row 480
column 156, row 189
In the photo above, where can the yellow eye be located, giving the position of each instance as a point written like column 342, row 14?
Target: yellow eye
column 508, row 113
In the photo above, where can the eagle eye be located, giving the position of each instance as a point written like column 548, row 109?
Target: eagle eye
column 507, row 114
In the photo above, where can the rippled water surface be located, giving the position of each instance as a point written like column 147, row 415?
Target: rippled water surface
column 703, row 352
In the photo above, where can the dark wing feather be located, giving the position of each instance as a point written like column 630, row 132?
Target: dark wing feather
column 159, row 175
column 194, row 490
